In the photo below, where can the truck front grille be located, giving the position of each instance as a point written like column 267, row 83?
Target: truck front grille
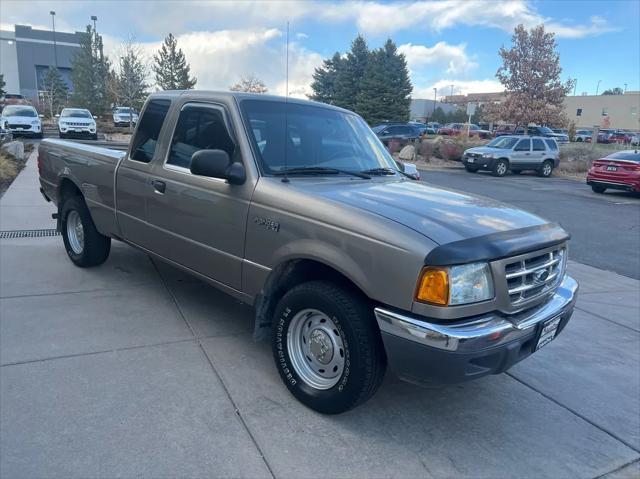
column 535, row 274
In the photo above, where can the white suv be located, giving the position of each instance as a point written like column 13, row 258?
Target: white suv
column 21, row 120
column 516, row 153
column 77, row 122
column 123, row 115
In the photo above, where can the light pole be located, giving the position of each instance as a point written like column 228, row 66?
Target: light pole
column 55, row 49
column 435, row 92
column 625, row 88
column 598, row 87
column 95, row 19
column 451, row 91
column 575, row 86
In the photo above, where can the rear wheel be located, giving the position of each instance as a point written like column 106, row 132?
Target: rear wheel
column 500, row 168
column 84, row 244
column 598, row 189
column 546, row 169
column 579, row 140
column 327, row 347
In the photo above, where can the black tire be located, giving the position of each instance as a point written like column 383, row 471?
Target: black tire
column 364, row 357
column 546, row 169
column 94, row 137
column 500, row 168
column 96, row 247
column 40, row 136
column 471, row 169
column 579, row 140
column 62, row 136
column 598, row 189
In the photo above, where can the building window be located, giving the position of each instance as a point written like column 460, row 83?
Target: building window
column 605, row 111
column 634, row 111
column 579, row 112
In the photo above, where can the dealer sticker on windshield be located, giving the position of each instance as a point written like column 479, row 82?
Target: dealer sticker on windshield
column 548, row 333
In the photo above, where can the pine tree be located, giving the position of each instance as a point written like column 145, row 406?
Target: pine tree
column 385, row 89
column 89, row 74
column 2, row 84
column 324, row 80
column 56, row 90
column 348, row 81
column 171, row 67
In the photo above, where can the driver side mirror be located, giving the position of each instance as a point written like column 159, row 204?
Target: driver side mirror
column 217, row 164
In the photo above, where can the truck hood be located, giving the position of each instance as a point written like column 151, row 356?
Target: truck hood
column 442, row 215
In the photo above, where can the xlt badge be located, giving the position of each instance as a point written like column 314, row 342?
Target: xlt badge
column 268, row 223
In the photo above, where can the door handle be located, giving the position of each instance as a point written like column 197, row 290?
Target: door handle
column 527, row 154
column 159, row 186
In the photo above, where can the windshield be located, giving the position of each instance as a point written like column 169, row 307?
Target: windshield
column 15, row 110
column 378, row 128
column 625, row 155
column 545, row 130
column 124, row 111
column 75, row 114
column 505, row 142
column 312, row 137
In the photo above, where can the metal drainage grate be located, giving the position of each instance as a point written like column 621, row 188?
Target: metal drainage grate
column 28, row 233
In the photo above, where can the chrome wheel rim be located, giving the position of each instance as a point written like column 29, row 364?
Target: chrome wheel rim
column 502, row 168
column 316, row 349
column 546, row 169
column 75, row 232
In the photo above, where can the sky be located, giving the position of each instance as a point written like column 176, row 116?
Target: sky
column 450, row 42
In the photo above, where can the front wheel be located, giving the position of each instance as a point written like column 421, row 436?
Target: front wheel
column 500, row 168
column 85, row 246
column 327, row 347
column 546, row 169
column 471, row 169
column 598, row 189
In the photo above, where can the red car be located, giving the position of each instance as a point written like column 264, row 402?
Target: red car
column 453, row 129
column 618, row 171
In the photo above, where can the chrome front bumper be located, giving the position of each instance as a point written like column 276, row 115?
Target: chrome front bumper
column 480, row 333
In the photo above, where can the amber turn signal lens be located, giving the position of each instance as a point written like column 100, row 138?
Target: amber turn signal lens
column 433, row 286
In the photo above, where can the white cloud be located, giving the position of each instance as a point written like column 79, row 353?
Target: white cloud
column 218, row 59
column 460, row 87
column 453, row 57
column 301, row 35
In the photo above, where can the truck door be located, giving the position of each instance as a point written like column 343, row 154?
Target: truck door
column 199, row 222
column 132, row 179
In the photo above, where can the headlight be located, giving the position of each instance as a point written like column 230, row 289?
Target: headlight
column 455, row 285
column 35, row 122
column 487, row 155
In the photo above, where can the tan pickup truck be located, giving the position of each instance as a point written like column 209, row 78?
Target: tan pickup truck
column 297, row 208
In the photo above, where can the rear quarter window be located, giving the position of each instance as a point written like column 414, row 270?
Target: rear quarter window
column 552, row 145
column 146, row 139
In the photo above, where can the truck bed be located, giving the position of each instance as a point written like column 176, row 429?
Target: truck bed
column 90, row 168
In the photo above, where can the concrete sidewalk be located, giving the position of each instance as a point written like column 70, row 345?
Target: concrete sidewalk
column 135, row 369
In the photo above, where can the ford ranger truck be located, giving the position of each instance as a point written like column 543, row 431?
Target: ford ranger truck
column 297, row 209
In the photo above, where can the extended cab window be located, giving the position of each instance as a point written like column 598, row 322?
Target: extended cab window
column 146, row 138
column 198, row 128
column 538, row 145
column 523, row 145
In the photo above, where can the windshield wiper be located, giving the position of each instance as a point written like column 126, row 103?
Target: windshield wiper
column 319, row 170
column 379, row 171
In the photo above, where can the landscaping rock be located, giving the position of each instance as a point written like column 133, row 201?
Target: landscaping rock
column 14, row 149
column 407, row 153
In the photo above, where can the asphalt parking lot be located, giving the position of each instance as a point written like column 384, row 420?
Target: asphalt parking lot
column 134, row 369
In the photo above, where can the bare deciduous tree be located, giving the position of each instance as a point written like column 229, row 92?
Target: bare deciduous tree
column 530, row 73
column 249, row 84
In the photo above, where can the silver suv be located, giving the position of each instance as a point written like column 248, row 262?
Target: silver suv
column 516, row 153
